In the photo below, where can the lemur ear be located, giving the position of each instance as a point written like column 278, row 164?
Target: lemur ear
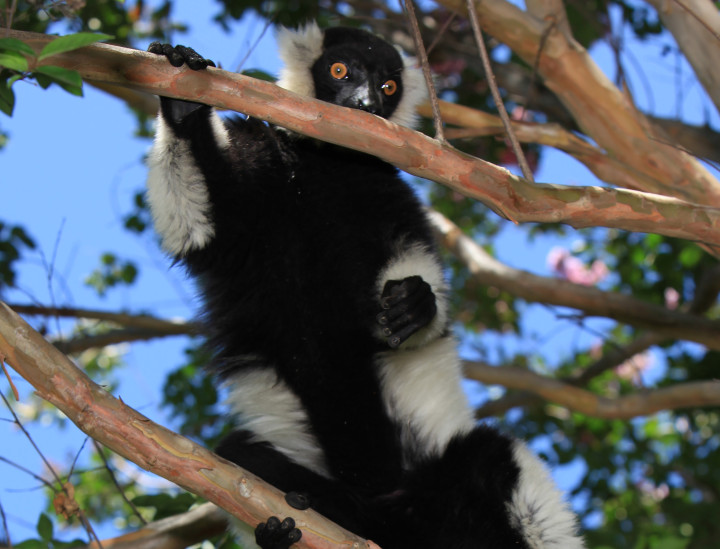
column 298, row 50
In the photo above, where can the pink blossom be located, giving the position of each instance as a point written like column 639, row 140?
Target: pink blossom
column 672, row 298
column 634, row 366
column 573, row 269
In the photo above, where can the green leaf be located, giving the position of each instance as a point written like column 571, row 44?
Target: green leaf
column 71, row 42
column 15, row 45
column 7, row 99
column 31, row 544
column 68, row 79
column 690, row 256
column 45, row 527
column 13, row 60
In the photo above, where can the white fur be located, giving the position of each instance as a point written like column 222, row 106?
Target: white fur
column 177, row 194
column 418, row 260
column 243, row 533
column 415, row 92
column 266, row 406
column 422, row 392
column 537, row 507
column 298, row 50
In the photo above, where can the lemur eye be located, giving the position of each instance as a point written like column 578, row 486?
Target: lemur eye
column 338, row 70
column 389, row 87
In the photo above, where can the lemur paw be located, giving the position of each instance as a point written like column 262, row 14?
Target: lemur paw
column 274, row 534
column 181, row 55
column 408, row 306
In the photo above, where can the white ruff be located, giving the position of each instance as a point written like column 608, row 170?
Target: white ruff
column 415, row 92
column 298, row 50
column 537, row 507
column 418, row 260
column 177, row 194
column 422, row 392
column 267, row 407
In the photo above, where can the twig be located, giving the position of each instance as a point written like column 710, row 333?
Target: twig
column 440, row 33
column 47, row 483
column 5, row 527
column 83, row 518
column 517, row 149
column 114, row 479
column 422, row 55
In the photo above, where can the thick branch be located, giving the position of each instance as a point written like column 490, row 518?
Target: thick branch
column 510, row 196
column 151, row 446
column 488, row 271
column 682, row 395
column 695, row 24
column 176, row 532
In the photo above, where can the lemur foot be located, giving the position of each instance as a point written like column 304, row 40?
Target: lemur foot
column 274, row 534
column 181, row 55
column 408, row 305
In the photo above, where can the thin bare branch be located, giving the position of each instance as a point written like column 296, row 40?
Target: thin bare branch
column 113, row 478
column 409, row 6
column 485, row 58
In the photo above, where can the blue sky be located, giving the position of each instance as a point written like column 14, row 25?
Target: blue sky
column 71, row 169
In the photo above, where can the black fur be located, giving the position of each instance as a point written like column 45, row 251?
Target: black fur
column 290, row 275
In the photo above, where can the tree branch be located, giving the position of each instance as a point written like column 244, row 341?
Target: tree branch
column 510, row 196
column 489, row 271
column 695, row 24
column 598, row 107
column 682, row 395
column 151, row 446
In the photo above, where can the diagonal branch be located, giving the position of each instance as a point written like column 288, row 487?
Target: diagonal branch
column 151, row 446
column 510, row 196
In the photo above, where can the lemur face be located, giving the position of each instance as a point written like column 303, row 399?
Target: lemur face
column 360, row 71
column 352, row 68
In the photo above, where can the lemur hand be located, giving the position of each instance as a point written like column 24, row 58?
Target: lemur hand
column 408, row 305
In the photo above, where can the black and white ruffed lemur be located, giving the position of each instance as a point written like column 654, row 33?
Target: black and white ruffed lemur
column 326, row 308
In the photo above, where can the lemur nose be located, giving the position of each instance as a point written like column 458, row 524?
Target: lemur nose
column 368, row 106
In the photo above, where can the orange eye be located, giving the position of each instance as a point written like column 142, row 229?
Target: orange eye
column 389, row 87
column 338, row 70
